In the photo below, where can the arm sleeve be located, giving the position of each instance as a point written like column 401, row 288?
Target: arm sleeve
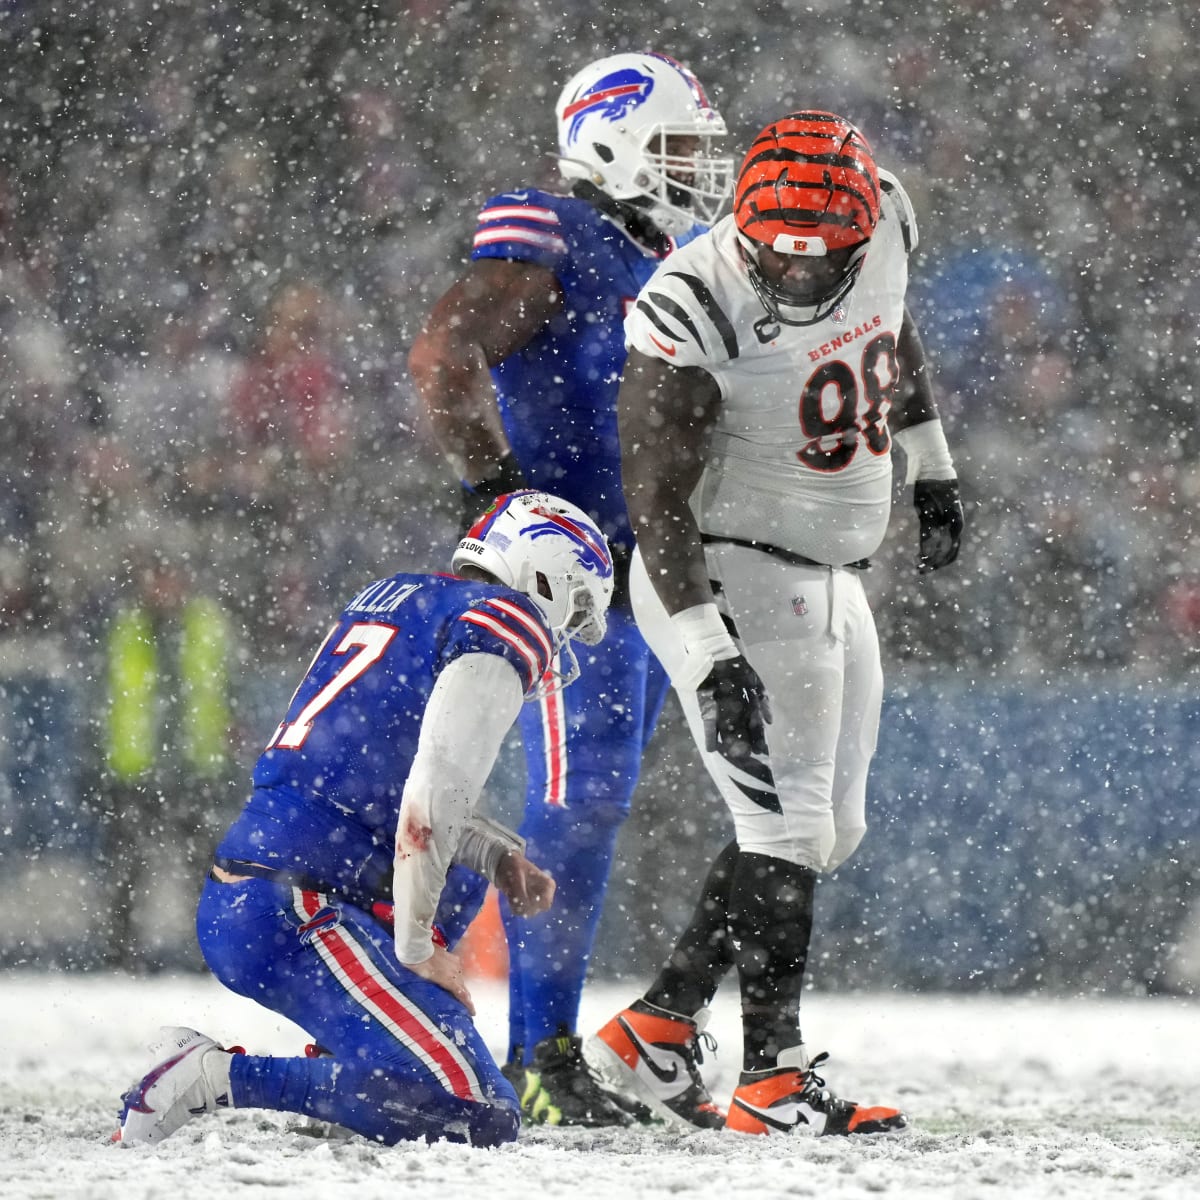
column 472, row 706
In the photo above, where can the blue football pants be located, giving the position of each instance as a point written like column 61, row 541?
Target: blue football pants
column 407, row 1061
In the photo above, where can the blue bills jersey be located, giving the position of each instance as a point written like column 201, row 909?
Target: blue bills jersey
column 558, row 394
column 327, row 788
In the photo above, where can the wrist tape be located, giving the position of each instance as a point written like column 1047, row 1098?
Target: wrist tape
column 483, row 843
column 706, row 640
column 925, row 450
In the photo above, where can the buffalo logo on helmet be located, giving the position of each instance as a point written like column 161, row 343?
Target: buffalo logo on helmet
column 592, row 556
column 611, row 98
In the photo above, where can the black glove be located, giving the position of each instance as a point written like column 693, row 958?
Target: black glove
column 734, row 709
column 941, row 514
column 498, row 480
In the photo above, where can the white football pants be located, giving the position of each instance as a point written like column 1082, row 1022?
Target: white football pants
column 810, row 635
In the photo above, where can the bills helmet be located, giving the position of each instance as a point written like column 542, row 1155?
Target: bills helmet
column 640, row 129
column 806, row 205
column 554, row 553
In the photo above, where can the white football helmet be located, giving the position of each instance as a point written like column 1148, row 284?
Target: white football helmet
column 554, row 553
column 614, row 119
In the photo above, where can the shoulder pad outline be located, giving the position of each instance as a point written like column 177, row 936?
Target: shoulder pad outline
column 894, row 190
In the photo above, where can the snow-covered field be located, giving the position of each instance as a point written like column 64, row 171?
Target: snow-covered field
column 1009, row 1097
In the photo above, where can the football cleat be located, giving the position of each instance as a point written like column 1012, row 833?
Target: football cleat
column 652, row 1057
column 559, row 1089
column 514, row 1069
column 528, row 1087
column 190, row 1079
column 793, row 1096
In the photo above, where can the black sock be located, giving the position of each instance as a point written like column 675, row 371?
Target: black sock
column 702, row 955
column 770, row 924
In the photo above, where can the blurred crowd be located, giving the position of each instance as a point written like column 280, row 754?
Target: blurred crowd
column 221, row 225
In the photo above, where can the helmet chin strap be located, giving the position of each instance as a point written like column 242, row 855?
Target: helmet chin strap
column 562, row 672
column 774, row 306
column 639, row 225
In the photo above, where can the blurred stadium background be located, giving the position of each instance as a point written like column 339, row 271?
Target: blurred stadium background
column 220, row 226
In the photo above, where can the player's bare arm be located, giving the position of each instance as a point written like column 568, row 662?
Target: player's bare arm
column 913, row 402
column 665, row 415
column 493, row 310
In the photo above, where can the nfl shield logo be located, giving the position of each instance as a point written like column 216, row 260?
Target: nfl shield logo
column 799, row 606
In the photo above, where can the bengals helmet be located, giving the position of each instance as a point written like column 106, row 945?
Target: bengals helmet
column 806, row 205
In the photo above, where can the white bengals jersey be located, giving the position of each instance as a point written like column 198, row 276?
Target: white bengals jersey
column 800, row 456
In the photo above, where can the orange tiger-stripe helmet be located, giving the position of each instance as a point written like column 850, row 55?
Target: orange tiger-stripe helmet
column 810, row 173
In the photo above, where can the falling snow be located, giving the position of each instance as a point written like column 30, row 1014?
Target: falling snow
column 1010, row 1099
column 220, row 227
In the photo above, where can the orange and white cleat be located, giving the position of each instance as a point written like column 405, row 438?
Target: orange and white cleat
column 650, row 1056
column 794, row 1097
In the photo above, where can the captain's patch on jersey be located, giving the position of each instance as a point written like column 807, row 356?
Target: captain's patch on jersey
column 800, row 606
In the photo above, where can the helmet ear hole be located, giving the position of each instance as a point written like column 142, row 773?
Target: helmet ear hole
column 543, row 586
column 603, row 153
